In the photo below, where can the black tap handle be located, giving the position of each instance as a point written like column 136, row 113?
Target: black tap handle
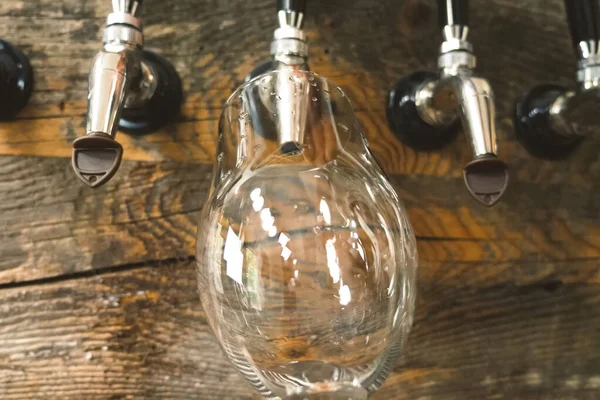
column 454, row 12
column 16, row 81
column 291, row 5
column 583, row 21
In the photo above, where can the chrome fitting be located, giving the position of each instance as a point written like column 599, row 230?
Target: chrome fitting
column 289, row 47
column 442, row 99
column 289, row 41
column 455, row 38
column 123, row 19
column 122, row 34
column 454, row 62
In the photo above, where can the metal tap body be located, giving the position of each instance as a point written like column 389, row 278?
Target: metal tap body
column 129, row 88
column 289, row 45
column 575, row 112
column 424, row 109
column 458, row 92
column 551, row 120
column 118, row 77
column 289, row 52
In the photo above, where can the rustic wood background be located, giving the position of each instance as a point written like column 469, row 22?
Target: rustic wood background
column 97, row 291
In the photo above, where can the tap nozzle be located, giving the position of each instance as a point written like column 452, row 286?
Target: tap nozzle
column 129, row 88
column 425, row 109
column 288, row 48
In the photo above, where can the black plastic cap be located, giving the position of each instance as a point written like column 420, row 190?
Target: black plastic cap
column 96, row 158
column 16, row 81
column 404, row 119
column 486, row 179
column 453, row 12
column 290, row 148
column 165, row 104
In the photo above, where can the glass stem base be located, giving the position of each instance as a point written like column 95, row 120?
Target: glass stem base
column 342, row 393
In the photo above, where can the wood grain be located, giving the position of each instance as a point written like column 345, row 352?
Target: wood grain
column 508, row 304
column 213, row 51
column 141, row 334
column 51, row 225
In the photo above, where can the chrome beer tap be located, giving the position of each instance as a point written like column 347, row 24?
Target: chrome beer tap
column 288, row 48
column 131, row 89
column 289, row 51
column 423, row 109
column 552, row 120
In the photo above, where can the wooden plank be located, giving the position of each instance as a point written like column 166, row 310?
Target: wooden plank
column 112, row 339
column 508, row 297
column 193, row 140
column 215, row 52
column 51, row 225
column 141, row 333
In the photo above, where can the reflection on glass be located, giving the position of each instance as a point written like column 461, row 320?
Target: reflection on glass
column 306, row 259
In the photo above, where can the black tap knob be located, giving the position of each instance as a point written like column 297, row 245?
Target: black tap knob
column 16, row 81
column 534, row 127
column 406, row 122
column 162, row 107
column 551, row 120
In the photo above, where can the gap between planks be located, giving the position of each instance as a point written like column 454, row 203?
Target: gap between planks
column 98, row 272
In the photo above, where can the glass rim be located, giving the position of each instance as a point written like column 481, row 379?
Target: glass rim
column 230, row 100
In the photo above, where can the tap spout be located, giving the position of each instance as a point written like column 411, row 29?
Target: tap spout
column 110, row 77
column 97, row 155
column 130, row 89
column 486, row 177
column 459, row 93
column 477, row 111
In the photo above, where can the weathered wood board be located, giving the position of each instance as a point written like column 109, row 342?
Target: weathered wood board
column 141, row 333
column 97, row 294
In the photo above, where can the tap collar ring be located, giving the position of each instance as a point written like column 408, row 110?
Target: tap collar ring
column 289, row 47
column 455, row 45
column 123, row 34
column 289, row 32
column 588, row 61
column 120, row 18
column 588, row 71
column 589, row 76
column 457, row 60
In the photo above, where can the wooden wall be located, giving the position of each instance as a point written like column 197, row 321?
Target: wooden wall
column 97, row 289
